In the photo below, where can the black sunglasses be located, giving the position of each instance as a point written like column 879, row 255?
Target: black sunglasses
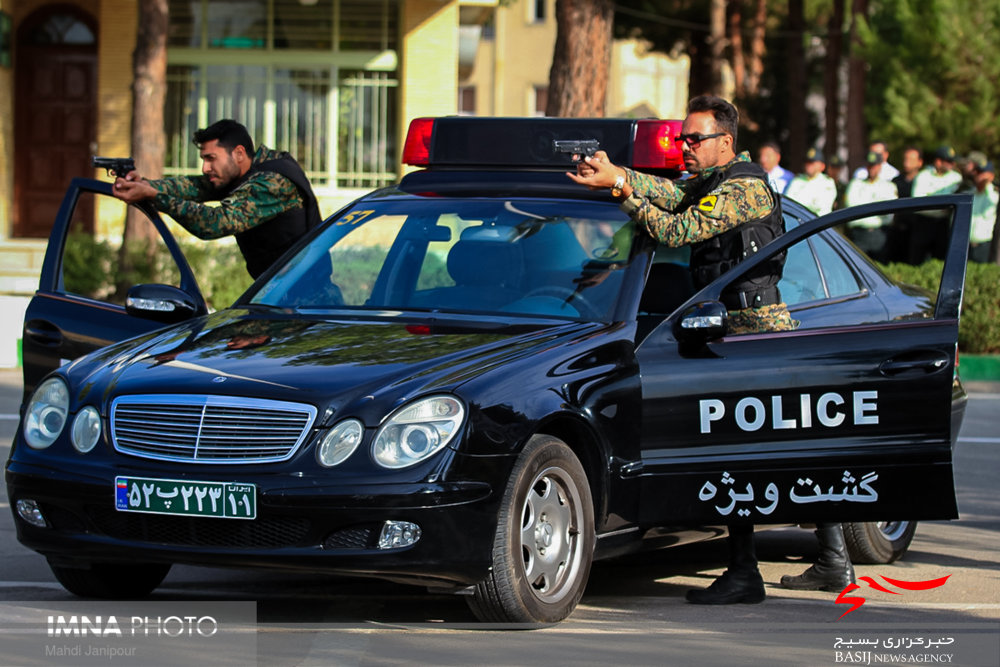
column 694, row 140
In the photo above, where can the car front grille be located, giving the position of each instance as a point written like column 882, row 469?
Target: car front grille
column 209, row 429
column 270, row 533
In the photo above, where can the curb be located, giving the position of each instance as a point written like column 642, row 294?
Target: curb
column 979, row 367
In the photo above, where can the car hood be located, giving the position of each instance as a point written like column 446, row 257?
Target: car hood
column 236, row 352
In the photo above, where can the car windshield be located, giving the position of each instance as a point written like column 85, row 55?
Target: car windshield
column 516, row 257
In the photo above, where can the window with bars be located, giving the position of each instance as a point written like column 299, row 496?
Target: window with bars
column 315, row 77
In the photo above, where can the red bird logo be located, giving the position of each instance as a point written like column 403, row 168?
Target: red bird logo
column 856, row 600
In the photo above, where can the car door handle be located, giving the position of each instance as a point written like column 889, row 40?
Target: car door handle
column 43, row 333
column 928, row 362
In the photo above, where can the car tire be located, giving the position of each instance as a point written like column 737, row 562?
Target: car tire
column 544, row 542
column 878, row 542
column 112, row 581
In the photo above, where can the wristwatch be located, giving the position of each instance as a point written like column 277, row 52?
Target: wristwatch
column 616, row 189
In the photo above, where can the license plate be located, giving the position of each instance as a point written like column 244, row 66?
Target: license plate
column 182, row 497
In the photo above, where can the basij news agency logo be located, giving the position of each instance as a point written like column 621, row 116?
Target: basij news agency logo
column 857, row 600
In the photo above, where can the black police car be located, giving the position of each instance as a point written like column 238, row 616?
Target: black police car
column 480, row 379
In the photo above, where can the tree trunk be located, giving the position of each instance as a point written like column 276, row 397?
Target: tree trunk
column 857, row 141
column 796, row 149
column 831, row 78
column 717, row 43
column 736, row 48
column 149, row 62
column 700, row 71
column 578, row 80
column 757, row 49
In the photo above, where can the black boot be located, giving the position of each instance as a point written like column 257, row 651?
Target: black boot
column 741, row 582
column 832, row 571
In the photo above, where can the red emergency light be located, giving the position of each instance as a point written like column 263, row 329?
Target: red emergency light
column 656, row 145
column 417, row 149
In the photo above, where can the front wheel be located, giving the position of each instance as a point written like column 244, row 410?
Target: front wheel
column 878, row 542
column 544, row 542
column 111, row 581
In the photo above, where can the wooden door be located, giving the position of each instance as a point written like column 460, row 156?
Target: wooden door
column 54, row 114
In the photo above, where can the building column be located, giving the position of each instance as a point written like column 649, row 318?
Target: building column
column 428, row 72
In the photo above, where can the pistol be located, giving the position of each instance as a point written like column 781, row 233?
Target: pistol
column 115, row 166
column 579, row 147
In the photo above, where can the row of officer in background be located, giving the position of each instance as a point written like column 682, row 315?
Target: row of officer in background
column 911, row 238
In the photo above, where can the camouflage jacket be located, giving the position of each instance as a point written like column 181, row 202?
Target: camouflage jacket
column 259, row 198
column 663, row 208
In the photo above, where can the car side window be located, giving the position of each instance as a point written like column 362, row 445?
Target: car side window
column 839, row 278
column 801, row 280
column 102, row 266
column 814, row 270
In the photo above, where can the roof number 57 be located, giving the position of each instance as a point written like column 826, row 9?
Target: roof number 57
column 354, row 217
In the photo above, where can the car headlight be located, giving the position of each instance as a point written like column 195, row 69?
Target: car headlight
column 417, row 431
column 340, row 442
column 86, row 429
column 45, row 417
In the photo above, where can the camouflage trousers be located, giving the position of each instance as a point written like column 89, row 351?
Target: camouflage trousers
column 761, row 320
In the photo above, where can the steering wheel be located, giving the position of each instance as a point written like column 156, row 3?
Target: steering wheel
column 568, row 296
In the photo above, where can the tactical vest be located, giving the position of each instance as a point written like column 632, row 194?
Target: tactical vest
column 265, row 243
column 713, row 257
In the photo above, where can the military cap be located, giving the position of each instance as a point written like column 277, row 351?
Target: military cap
column 814, row 155
column 978, row 159
column 946, row 153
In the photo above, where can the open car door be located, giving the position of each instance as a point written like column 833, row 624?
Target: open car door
column 80, row 303
column 848, row 421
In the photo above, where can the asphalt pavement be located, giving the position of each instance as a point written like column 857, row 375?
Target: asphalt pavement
column 633, row 611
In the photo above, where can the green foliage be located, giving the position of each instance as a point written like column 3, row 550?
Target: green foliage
column 938, row 62
column 94, row 269
column 979, row 328
column 932, row 79
column 355, row 270
column 220, row 270
column 434, row 273
column 979, row 331
column 87, row 265
column 99, row 270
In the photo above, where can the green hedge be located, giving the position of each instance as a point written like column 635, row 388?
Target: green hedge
column 220, row 270
column 94, row 268
column 979, row 330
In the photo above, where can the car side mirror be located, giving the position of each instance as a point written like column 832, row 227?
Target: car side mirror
column 162, row 303
column 702, row 322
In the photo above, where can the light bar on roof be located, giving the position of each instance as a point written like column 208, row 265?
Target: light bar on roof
column 528, row 143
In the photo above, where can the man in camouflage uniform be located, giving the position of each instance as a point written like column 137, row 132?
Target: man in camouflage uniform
column 266, row 201
column 678, row 213
column 728, row 205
